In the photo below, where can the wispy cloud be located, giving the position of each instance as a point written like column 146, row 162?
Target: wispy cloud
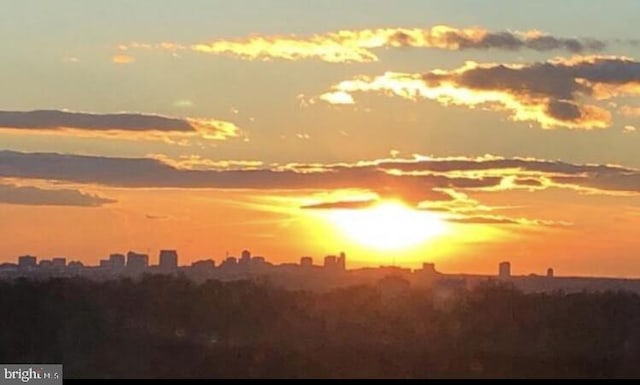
column 503, row 220
column 123, row 59
column 183, row 103
column 412, row 180
column 450, row 212
column 134, row 126
column 347, row 46
column 196, row 162
column 156, row 217
column 35, row 196
column 435, row 184
column 554, row 93
column 340, row 205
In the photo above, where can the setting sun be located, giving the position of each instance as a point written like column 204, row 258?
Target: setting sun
column 389, row 225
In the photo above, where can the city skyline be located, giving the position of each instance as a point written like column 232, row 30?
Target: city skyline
column 400, row 132
column 168, row 260
column 330, row 273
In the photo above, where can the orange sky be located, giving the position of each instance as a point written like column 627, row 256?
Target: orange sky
column 465, row 136
column 208, row 223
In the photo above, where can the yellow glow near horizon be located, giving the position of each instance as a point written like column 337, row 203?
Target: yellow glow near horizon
column 389, row 225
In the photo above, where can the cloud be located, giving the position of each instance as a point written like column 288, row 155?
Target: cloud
column 502, row 220
column 628, row 129
column 196, row 162
column 412, row 180
column 553, row 94
column 341, row 205
column 154, row 173
column 156, row 217
column 527, row 173
column 134, row 126
column 495, row 165
column 34, row 196
column 337, row 97
column 531, row 182
column 452, row 214
column 123, row 59
column 426, row 183
column 183, row 103
column 348, row 46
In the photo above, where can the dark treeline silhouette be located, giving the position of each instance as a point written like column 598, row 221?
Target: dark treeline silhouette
column 171, row 327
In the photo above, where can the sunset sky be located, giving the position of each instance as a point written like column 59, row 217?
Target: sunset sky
column 458, row 132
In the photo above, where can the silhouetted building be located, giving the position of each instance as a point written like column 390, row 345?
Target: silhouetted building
column 245, row 257
column 341, row 262
column 117, row 260
column 334, row 263
column 137, row 261
column 168, row 260
column 229, row 262
column 428, row 274
column 306, row 261
column 59, row 262
column 8, row 267
column 45, row 264
column 258, row 260
column 330, row 262
column 504, row 270
column 105, row 264
column 204, row 265
column 27, row 262
column 75, row 266
column 429, row 268
column 550, row 272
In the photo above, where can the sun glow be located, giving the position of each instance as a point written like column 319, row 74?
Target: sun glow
column 389, row 225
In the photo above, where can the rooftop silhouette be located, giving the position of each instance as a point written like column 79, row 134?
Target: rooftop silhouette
column 304, row 275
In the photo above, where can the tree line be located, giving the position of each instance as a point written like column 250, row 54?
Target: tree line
column 170, row 327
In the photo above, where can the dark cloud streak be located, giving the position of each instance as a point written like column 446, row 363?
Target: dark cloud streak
column 34, row 196
column 127, row 125
column 411, row 181
column 55, row 119
column 349, row 205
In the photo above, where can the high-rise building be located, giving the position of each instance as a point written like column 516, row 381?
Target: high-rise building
column 504, row 270
column 550, row 272
column 105, row 264
column 306, row 261
column 245, row 257
column 341, row 263
column 137, row 261
column 117, row 260
column 59, row 262
column 27, row 262
column 330, row 262
column 168, row 260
